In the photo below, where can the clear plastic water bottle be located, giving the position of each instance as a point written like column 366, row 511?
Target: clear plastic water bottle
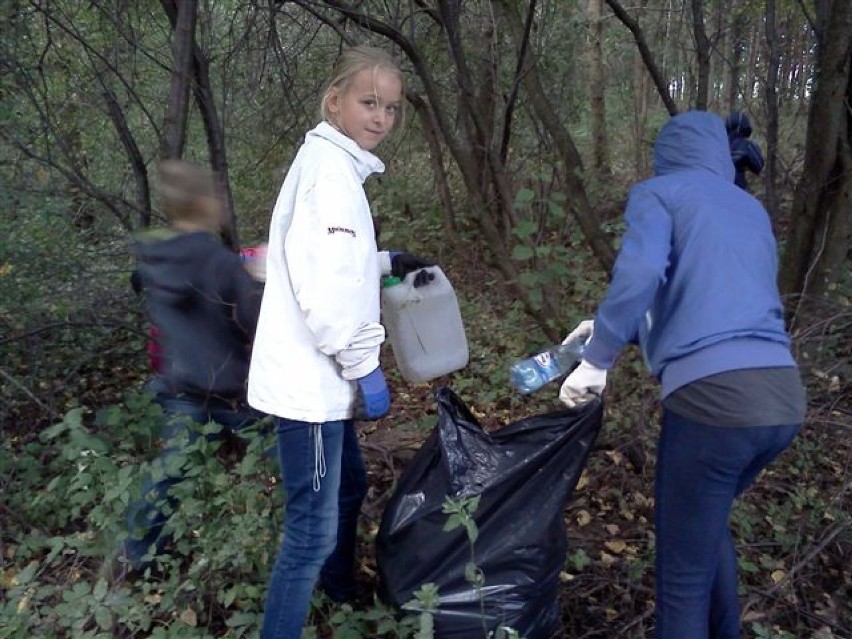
column 530, row 374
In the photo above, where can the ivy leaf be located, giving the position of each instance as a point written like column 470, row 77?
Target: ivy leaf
column 521, row 252
column 556, row 210
column 524, row 229
column 524, row 196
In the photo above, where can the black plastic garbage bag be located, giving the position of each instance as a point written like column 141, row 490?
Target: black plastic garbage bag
column 524, row 474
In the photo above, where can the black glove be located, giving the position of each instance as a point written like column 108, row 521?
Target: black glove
column 422, row 278
column 404, row 263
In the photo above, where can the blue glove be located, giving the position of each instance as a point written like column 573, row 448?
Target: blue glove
column 373, row 396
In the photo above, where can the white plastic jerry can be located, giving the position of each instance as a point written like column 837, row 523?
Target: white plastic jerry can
column 424, row 326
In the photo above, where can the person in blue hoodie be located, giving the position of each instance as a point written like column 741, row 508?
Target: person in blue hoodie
column 745, row 154
column 694, row 284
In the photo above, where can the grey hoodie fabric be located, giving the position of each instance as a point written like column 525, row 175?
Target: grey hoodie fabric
column 205, row 305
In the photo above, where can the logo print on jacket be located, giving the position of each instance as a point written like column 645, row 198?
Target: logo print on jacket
column 340, row 229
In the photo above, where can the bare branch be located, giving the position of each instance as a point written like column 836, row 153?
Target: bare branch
column 645, row 52
column 516, row 82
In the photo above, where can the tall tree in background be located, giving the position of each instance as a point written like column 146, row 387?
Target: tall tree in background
column 821, row 217
column 735, row 51
column 660, row 82
column 702, row 56
column 772, row 65
column 597, row 89
column 192, row 69
column 639, row 82
column 183, row 17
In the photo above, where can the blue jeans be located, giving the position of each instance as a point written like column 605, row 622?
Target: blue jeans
column 701, row 469
column 145, row 516
column 324, row 482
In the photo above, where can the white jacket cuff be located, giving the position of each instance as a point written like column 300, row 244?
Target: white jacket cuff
column 384, row 263
column 361, row 355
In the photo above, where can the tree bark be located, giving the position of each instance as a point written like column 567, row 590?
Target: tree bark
column 647, row 56
column 819, row 234
column 436, row 155
column 753, row 51
column 597, row 91
column 182, row 14
column 736, row 53
column 702, row 53
column 770, row 179
column 199, row 67
column 206, row 102
column 137, row 162
column 640, row 111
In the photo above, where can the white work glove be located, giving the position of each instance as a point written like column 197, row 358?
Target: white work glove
column 585, row 383
column 585, row 329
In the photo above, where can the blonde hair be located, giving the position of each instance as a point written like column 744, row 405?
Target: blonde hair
column 189, row 194
column 350, row 63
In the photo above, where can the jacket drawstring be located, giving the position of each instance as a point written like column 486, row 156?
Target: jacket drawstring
column 319, row 455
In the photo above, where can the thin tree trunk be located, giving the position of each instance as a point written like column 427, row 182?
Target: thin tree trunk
column 177, row 108
column 640, row 112
column 717, row 62
column 647, row 57
column 597, row 86
column 819, row 234
column 433, row 138
column 751, row 67
column 771, row 111
column 736, row 53
column 206, row 102
column 137, row 162
column 702, row 53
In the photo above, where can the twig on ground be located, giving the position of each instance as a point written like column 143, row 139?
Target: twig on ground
column 815, row 550
column 9, row 378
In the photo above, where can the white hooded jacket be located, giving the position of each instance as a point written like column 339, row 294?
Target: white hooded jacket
column 319, row 327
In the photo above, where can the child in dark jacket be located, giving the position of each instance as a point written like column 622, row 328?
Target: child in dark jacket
column 205, row 306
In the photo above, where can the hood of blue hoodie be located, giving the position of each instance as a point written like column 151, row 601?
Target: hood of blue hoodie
column 695, row 140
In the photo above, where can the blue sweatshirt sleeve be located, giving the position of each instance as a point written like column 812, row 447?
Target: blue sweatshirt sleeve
column 640, row 271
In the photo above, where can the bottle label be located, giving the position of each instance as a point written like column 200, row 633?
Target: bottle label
column 543, row 359
column 548, row 366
